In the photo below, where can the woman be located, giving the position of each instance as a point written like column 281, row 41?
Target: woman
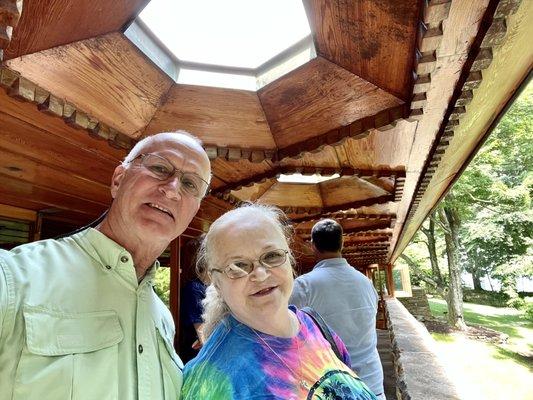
column 258, row 347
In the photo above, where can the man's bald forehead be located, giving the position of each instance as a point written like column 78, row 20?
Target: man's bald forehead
column 179, row 137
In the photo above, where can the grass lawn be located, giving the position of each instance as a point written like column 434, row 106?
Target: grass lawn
column 488, row 371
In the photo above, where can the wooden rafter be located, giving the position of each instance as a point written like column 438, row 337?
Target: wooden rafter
column 492, row 33
column 311, row 170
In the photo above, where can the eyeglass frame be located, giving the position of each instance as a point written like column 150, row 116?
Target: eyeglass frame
column 262, row 263
column 173, row 173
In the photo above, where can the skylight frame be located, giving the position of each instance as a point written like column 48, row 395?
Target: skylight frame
column 149, row 44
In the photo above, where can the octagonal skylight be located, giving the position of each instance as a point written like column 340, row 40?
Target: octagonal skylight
column 243, row 44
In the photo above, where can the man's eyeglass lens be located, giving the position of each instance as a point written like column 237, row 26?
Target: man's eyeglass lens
column 162, row 169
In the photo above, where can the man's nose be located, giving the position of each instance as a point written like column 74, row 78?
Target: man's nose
column 172, row 188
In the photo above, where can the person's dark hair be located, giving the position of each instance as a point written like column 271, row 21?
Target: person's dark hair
column 327, row 236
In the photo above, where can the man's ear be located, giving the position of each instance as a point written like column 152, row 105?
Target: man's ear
column 118, row 175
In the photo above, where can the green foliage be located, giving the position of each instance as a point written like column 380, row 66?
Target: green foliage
column 529, row 311
column 162, row 284
column 494, row 299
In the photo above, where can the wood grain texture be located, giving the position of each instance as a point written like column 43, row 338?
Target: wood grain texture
column 292, row 195
column 49, row 23
column 318, row 97
column 106, row 77
column 26, row 140
column 17, row 192
column 222, row 117
column 36, row 173
column 347, row 189
column 99, row 150
column 373, row 39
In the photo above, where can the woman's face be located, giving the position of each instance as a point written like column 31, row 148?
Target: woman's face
column 265, row 292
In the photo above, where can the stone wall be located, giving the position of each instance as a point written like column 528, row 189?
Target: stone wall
column 418, row 369
column 418, row 304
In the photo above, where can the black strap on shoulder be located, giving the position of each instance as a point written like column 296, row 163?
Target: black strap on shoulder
column 324, row 328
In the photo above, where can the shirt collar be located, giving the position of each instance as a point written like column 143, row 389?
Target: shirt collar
column 108, row 253
column 331, row 262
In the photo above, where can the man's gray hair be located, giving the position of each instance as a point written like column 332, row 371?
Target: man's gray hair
column 147, row 141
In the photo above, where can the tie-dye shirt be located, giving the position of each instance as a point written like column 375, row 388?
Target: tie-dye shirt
column 236, row 364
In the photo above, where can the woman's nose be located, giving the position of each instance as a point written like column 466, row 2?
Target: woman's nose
column 260, row 273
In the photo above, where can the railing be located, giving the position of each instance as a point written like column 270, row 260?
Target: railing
column 418, row 369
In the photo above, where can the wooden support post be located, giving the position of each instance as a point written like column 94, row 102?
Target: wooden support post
column 174, row 298
column 37, row 227
column 390, row 281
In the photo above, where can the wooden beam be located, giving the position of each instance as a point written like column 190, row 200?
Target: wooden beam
column 17, row 213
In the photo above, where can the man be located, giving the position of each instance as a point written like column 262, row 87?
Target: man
column 346, row 300
column 78, row 316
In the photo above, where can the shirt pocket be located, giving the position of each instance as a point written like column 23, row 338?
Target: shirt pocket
column 171, row 366
column 69, row 356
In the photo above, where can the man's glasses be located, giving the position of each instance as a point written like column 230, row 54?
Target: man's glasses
column 162, row 169
column 241, row 268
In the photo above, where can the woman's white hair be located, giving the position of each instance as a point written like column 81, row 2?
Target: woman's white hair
column 215, row 308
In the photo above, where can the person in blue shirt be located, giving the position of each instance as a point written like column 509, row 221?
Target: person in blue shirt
column 346, row 299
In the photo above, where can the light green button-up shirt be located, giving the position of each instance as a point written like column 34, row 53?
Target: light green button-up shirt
column 76, row 324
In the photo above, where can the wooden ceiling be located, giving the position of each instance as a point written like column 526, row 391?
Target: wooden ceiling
column 376, row 106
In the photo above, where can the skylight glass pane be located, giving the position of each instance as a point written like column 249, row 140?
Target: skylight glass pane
column 236, row 33
column 299, row 178
column 216, row 79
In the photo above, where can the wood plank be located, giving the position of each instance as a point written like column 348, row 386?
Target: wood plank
column 15, row 192
column 28, row 112
column 26, row 170
column 347, row 189
column 26, row 140
column 106, row 77
column 222, row 117
column 318, row 97
column 510, row 66
column 373, row 39
column 49, row 23
column 232, row 171
column 292, row 195
column 389, row 148
column 24, row 214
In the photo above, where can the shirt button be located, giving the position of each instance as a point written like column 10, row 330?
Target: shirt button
column 124, row 259
column 108, row 266
column 141, row 349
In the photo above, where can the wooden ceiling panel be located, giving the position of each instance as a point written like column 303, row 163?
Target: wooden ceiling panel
column 390, row 148
column 221, row 117
column 318, row 97
column 327, row 157
column 233, row 171
column 344, row 190
column 28, row 112
column 26, row 140
column 16, row 192
column 372, row 39
column 292, row 195
column 254, row 192
column 49, row 23
column 106, row 77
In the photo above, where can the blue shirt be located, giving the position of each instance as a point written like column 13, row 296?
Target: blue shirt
column 347, row 301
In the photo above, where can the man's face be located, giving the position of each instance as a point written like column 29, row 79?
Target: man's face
column 152, row 210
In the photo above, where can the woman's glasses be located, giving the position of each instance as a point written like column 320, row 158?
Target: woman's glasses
column 241, row 268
